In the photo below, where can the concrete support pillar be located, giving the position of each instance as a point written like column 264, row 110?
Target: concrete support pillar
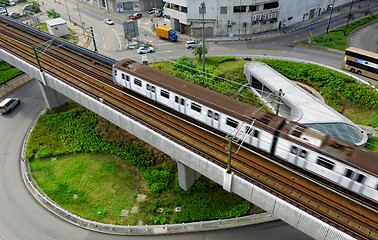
column 52, row 98
column 187, row 176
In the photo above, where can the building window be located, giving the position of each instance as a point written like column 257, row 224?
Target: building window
column 325, row 163
column 164, row 93
column 232, row 123
column 223, row 10
column 252, row 8
column 137, row 82
column 240, row 9
column 196, row 107
column 271, row 5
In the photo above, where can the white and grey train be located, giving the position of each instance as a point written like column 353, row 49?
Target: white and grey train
column 336, row 160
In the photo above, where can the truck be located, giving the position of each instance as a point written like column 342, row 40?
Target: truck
column 166, row 33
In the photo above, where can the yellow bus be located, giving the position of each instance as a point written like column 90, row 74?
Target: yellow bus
column 361, row 62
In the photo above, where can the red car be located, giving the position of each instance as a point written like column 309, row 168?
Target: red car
column 136, row 16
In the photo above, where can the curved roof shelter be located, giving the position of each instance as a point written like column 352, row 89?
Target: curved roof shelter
column 299, row 105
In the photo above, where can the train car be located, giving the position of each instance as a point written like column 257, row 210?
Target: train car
column 341, row 162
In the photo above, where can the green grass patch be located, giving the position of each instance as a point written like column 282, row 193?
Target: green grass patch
column 97, row 179
column 42, row 26
column 8, row 72
column 335, row 39
column 372, row 144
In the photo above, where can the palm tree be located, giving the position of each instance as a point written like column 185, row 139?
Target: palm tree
column 349, row 16
column 198, row 51
column 366, row 11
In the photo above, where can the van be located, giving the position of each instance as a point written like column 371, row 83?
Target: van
column 9, row 104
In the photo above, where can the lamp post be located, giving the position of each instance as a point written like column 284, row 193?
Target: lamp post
column 239, row 16
column 348, row 17
column 68, row 13
column 202, row 10
column 329, row 21
column 81, row 21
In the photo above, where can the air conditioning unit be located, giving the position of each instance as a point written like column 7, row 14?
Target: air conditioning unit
column 229, row 23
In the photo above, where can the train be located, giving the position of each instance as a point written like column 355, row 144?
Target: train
column 345, row 164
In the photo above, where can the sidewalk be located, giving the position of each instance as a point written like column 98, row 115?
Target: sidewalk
column 11, row 85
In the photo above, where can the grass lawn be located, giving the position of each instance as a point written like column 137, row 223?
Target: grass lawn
column 335, row 39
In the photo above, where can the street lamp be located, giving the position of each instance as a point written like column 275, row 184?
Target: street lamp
column 202, row 10
column 329, row 21
column 239, row 16
column 68, row 13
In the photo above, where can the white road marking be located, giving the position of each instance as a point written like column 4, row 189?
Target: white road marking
column 119, row 40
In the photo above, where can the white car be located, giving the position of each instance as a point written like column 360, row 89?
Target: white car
column 108, row 21
column 8, row 104
column 193, row 44
column 145, row 49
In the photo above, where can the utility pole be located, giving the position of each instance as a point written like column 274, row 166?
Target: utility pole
column 94, row 42
column 81, row 21
column 348, row 17
column 36, row 57
column 229, row 149
column 68, row 13
column 329, row 21
column 279, row 101
column 202, row 10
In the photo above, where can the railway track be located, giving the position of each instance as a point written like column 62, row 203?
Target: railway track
column 338, row 211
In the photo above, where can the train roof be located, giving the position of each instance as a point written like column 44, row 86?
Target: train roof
column 201, row 95
column 347, row 152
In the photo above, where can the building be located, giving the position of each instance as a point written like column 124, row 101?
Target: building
column 57, row 27
column 242, row 17
column 128, row 5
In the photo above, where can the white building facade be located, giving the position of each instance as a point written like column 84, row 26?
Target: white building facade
column 242, row 17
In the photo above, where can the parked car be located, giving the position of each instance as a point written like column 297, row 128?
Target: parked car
column 14, row 15
column 136, row 16
column 145, row 49
column 9, row 104
column 193, row 44
column 108, row 21
column 2, row 11
column 11, row 3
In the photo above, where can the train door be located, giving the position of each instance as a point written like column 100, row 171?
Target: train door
column 151, row 91
column 255, row 138
column 212, row 119
column 180, row 104
column 126, row 80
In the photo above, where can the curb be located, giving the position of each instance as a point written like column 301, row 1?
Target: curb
column 66, row 215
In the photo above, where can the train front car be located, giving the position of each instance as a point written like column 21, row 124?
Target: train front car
column 343, row 163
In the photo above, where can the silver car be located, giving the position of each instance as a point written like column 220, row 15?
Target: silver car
column 8, row 104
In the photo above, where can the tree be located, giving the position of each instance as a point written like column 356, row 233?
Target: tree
column 349, row 16
column 198, row 51
column 52, row 13
column 366, row 12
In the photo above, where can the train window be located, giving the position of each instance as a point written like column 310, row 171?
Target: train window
column 256, row 134
column 115, row 72
column 148, row 87
column 196, row 107
column 137, row 82
column 248, row 130
column 216, row 116
column 303, row 154
column 164, row 93
column 325, row 163
column 360, row 178
column 348, row 173
column 376, row 187
column 232, row 123
column 294, row 150
column 128, row 78
column 210, row 113
column 123, row 76
column 152, row 88
column 182, row 101
column 176, row 99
